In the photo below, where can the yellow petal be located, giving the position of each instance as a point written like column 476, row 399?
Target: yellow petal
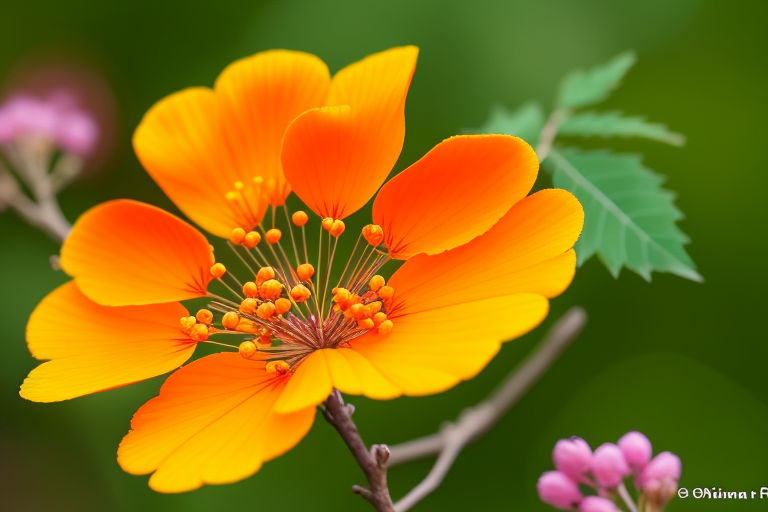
column 92, row 348
column 212, row 423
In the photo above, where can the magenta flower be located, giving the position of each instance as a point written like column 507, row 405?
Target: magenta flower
column 558, row 490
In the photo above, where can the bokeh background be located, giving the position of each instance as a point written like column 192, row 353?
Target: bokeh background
column 683, row 362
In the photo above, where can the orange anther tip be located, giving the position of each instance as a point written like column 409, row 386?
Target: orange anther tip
column 248, row 306
column 251, row 289
column 374, row 307
column 258, row 180
column 282, row 306
column 251, row 239
column 247, row 349
column 273, row 236
column 386, row 292
column 385, row 327
column 204, row 316
column 199, row 332
column 357, row 311
column 365, row 323
column 232, row 195
column 187, row 322
column 300, row 293
column 305, row 271
column 237, row 236
column 337, row 228
column 340, row 295
column 264, row 274
column 230, row 320
column 378, row 318
column 376, row 282
column 279, row 367
column 218, row 270
column 265, row 310
column 300, row 218
column 373, row 234
column 270, row 289
column 327, row 223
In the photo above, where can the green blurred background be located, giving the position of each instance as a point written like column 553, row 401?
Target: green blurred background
column 683, row 362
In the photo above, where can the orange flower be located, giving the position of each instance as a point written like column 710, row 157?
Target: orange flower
column 481, row 261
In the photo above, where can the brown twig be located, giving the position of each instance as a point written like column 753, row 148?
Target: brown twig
column 373, row 462
column 475, row 421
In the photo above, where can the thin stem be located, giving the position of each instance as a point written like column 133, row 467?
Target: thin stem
column 373, row 462
column 626, row 498
column 43, row 212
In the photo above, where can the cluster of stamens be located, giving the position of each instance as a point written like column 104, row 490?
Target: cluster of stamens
column 284, row 312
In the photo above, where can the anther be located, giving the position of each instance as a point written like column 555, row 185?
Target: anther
column 204, row 316
column 373, row 234
column 305, row 271
column 270, row 289
column 247, row 349
column 337, row 228
column 218, row 270
column 230, row 320
column 252, row 239
column 386, row 292
column 300, row 293
column 265, row 274
column 265, row 310
column 199, row 332
column 327, row 222
column 340, row 295
column 279, row 367
column 376, row 282
column 385, row 327
column 273, row 236
column 251, row 289
column 237, row 236
column 378, row 318
column 187, row 322
column 248, row 306
column 282, row 306
column 365, row 323
column 299, row 218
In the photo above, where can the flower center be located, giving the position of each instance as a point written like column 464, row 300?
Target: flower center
column 288, row 307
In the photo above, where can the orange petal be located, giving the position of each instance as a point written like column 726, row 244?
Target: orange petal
column 430, row 351
column 456, row 192
column 181, row 145
column 527, row 251
column 93, row 348
column 197, row 143
column 212, row 423
column 309, row 385
column 259, row 96
column 124, row 252
column 336, row 157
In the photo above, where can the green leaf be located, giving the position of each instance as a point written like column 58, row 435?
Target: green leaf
column 613, row 124
column 525, row 122
column 582, row 88
column 629, row 219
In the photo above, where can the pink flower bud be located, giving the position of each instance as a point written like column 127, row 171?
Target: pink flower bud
column 660, row 477
column 597, row 504
column 636, row 449
column 556, row 489
column 609, row 465
column 573, row 457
